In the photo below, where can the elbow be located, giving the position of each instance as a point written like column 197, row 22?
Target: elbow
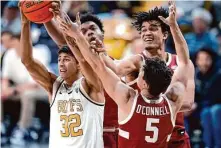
column 187, row 106
column 26, row 61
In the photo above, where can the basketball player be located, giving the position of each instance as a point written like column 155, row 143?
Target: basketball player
column 77, row 103
column 151, row 113
column 154, row 31
column 92, row 29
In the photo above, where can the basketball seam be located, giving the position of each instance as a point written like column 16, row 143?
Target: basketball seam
column 37, row 9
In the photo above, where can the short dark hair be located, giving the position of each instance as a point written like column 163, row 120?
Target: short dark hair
column 157, row 75
column 65, row 49
column 6, row 32
column 93, row 18
column 152, row 14
column 16, row 36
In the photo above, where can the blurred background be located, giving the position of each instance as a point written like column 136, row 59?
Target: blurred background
column 200, row 22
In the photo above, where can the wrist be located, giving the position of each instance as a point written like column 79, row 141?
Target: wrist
column 25, row 23
column 174, row 25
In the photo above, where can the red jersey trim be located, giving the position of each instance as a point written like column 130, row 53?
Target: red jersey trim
column 131, row 111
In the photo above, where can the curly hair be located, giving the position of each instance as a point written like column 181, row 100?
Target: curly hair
column 157, row 75
column 93, row 18
column 152, row 14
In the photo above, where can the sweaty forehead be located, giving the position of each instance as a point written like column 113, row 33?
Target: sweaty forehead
column 88, row 24
column 151, row 23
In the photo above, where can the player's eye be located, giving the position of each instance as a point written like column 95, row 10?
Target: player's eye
column 93, row 28
column 83, row 31
column 144, row 30
column 153, row 28
column 67, row 60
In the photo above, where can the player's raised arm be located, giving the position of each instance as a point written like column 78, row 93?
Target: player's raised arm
column 177, row 89
column 183, row 55
column 37, row 70
column 179, row 41
column 109, row 79
column 51, row 27
column 91, row 77
column 87, row 71
column 119, row 67
column 124, row 66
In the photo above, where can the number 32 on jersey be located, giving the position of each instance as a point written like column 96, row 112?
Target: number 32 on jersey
column 69, row 123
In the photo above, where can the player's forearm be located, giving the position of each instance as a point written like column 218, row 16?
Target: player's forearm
column 109, row 81
column 86, row 70
column 189, row 94
column 74, row 49
column 26, row 44
column 124, row 67
column 54, row 33
column 180, row 44
column 110, row 64
column 89, row 56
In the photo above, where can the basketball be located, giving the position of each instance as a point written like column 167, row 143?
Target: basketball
column 37, row 11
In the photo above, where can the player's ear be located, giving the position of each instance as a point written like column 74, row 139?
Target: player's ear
column 165, row 35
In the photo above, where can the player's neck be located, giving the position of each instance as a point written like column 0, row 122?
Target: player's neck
column 146, row 94
column 160, row 52
column 17, row 50
column 69, row 81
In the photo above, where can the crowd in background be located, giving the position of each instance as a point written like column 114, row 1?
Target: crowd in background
column 24, row 106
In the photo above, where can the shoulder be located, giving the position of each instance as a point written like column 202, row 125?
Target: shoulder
column 136, row 57
column 10, row 53
column 175, row 91
column 9, row 58
column 83, row 85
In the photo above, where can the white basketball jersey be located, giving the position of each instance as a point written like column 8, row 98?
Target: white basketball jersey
column 76, row 120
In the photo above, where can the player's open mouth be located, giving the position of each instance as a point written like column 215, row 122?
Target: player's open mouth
column 92, row 39
column 63, row 70
column 148, row 39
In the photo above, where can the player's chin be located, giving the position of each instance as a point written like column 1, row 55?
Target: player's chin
column 63, row 75
column 151, row 46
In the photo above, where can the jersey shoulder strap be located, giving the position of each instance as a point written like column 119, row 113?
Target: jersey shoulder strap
column 56, row 86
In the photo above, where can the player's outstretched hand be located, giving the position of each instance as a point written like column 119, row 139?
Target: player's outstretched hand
column 171, row 19
column 24, row 19
column 97, row 46
column 67, row 26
